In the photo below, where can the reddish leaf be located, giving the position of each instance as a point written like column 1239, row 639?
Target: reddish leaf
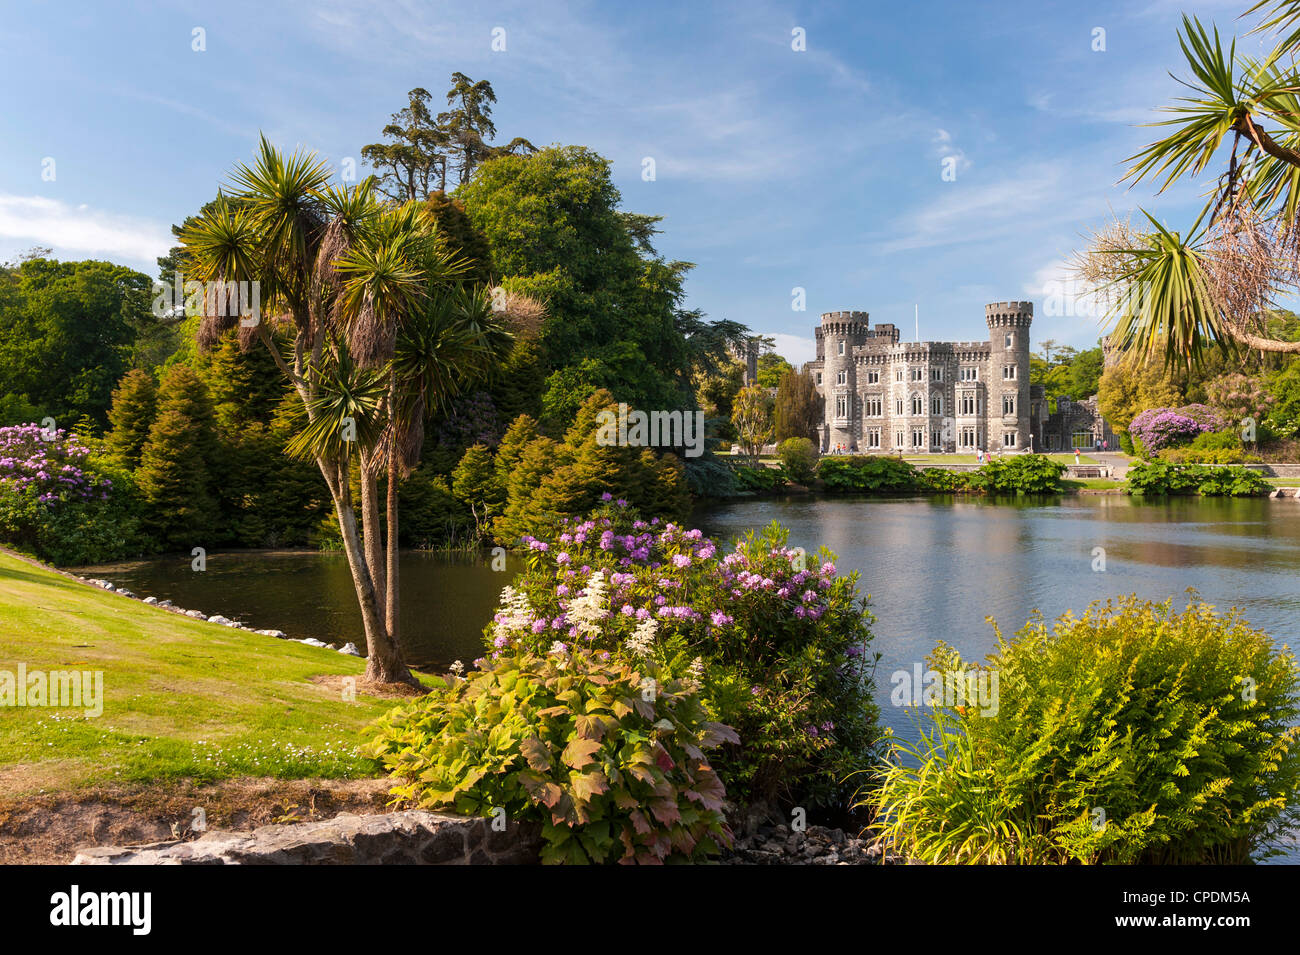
column 579, row 752
column 665, row 810
column 717, row 733
column 587, row 785
column 537, row 753
column 663, row 760
column 590, row 727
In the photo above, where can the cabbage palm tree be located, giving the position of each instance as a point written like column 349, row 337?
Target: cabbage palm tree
column 1181, row 293
column 283, row 226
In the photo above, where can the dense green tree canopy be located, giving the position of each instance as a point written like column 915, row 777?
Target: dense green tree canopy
column 556, row 232
column 67, row 331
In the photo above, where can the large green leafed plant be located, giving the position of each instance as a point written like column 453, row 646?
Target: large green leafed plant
column 608, row 759
column 1132, row 734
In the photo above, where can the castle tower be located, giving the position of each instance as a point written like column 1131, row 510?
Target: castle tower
column 837, row 336
column 1008, row 423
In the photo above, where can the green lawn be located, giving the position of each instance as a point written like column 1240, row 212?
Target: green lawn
column 181, row 698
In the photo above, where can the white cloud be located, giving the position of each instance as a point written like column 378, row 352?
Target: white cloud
column 795, row 349
column 1066, row 309
column 80, row 230
column 1037, row 194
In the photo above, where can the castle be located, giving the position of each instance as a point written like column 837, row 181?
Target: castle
column 883, row 395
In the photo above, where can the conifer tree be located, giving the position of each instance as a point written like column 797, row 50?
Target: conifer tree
column 175, row 475
column 798, row 407
column 475, row 484
column 135, row 405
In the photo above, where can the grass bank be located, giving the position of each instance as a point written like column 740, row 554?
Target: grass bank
column 182, row 699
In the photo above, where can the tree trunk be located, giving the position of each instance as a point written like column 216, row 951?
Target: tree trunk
column 371, row 535
column 391, row 619
column 384, row 663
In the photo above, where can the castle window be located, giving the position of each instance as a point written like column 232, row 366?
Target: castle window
column 898, row 375
column 1008, row 404
column 873, row 406
column 841, row 346
column 819, row 377
column 873, row 377
column 918, row 437
column 842, row 378
column 841, row 406
column 936, row 404
column 970, row 374
column 918, row 374
column 936, row 374
column 1009, row 341
column 873, row 438
column 918, row 404
column 1008, row 372
column 969, row 404
column 968, row 437
column 898, row 440
column 936, row 440
column 1008, row 439
column 898, row 406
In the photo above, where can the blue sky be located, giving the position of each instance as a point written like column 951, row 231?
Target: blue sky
column 819, row 169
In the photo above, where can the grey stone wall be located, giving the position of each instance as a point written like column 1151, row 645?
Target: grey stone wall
column 413, row 837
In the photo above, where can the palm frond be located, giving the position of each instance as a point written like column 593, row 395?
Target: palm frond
column 1203, row 119
column 345, row 413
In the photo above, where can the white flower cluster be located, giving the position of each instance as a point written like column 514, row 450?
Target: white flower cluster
column 640, row 643
column 587, row 610
column 515, row 612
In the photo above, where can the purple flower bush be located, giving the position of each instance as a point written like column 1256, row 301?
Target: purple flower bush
column 54, row 501
column 776, row 639
column 1160, row 428
column 49, row 467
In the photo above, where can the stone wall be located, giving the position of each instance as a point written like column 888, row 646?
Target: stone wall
column 413, row 837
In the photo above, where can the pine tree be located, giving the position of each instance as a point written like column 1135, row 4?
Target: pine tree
column 135, row 405
column 175, row 474
column 522, row 431
column 539, row 459
column 475, row 484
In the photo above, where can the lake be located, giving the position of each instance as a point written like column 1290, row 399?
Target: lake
column 934, row 567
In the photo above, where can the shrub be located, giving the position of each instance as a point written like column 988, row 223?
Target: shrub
column 1019, row 474
column 572, row 740
column 778, row 640
column 60, row 503
column 1191, row 455
column 758, row 478
column 1159, row 479
column 870, row 474
column 945, row 481
column 1237, row 396
column 798, row 458
column 1159, row 428
column 1132, row 734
